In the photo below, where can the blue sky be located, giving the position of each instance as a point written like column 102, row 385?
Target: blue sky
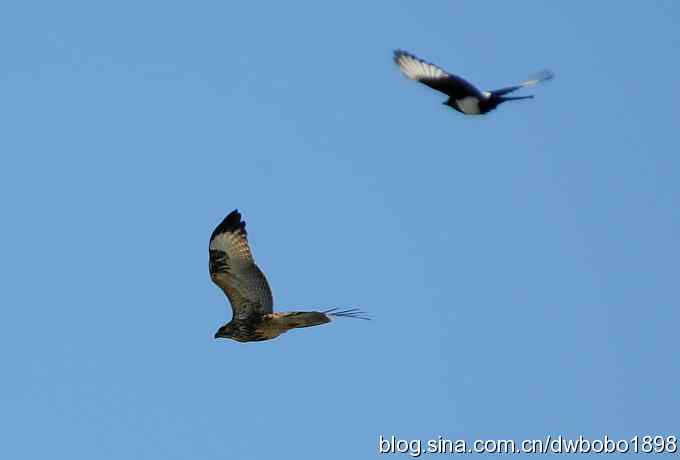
column 522, row 267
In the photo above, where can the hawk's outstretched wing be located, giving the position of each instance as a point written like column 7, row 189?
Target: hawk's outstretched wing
column 433, row 76
column 233, row 269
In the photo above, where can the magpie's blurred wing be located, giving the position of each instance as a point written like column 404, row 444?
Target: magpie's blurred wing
column 433, row 76
column 534, row 79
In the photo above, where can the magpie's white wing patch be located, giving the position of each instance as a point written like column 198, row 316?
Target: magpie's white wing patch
column 417, row 69
column 538, row 77
column 433, row 76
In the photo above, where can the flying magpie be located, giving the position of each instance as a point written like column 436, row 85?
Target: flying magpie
column 463, row 96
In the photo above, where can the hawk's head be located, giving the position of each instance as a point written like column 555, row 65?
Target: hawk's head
column 241, row 331
column 224, row 332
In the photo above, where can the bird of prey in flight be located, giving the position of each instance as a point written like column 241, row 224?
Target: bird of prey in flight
column 463, row 96
column 233, row 269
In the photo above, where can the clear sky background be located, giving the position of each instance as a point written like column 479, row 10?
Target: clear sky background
column 522, row 267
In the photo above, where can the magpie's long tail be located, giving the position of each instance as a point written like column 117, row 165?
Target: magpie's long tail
column 515, row 98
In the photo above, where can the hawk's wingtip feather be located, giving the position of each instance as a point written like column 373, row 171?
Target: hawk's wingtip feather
column 230, row 224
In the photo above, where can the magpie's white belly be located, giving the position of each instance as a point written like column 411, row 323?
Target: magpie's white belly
column 469, row 105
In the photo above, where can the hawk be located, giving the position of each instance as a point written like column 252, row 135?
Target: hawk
column 233, row 269
column 463, row 96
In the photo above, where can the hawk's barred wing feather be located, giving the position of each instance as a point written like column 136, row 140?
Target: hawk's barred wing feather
column 233, row 269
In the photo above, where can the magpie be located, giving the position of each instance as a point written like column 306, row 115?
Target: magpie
column 463, row 96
